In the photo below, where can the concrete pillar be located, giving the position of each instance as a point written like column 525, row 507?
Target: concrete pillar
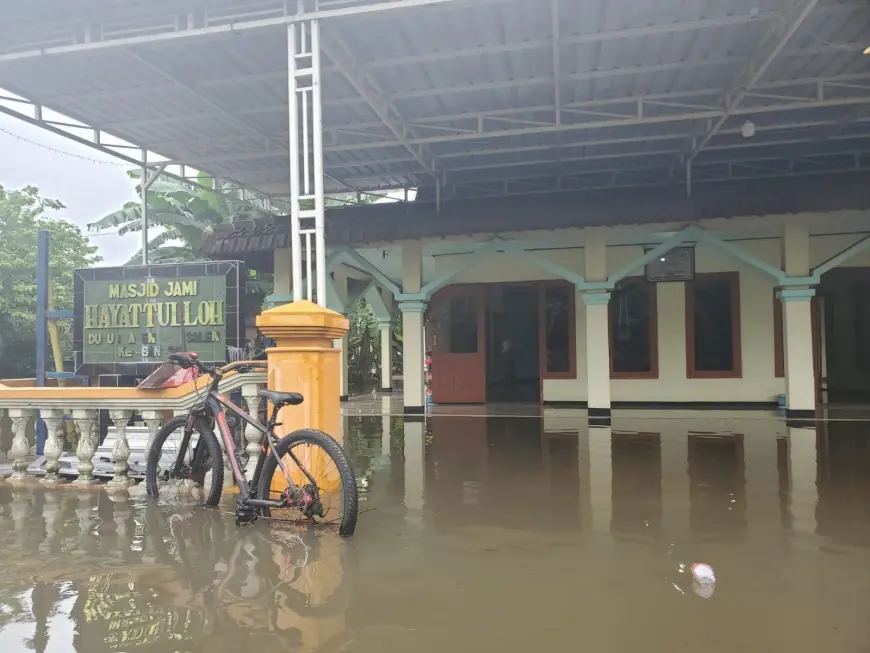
column 282, row 288
column 797, row 328
column 803, row 475
column 413, row 345
column 386, row 356
column 597, row 356
column 597, row 329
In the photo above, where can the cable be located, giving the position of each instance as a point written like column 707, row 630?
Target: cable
column 65, row 153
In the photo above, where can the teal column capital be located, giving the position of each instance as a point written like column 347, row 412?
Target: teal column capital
column 412, row 307
column 596, row 298
column 795, row 294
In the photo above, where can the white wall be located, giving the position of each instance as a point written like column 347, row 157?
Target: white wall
column 758, row 382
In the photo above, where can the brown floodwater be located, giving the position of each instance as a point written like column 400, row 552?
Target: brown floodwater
column 494, row 534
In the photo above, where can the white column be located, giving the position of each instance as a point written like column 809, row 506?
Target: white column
column 342, row 345
column 415, row 471
column 282, row 288
column 413, row 345
column 386, row 356
column 797, row 330
column 597, row 327
column 797, row 326
column 600, row 478
column 803, row 472
column 306, row 157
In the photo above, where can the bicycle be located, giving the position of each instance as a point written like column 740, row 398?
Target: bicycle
column 280, row 482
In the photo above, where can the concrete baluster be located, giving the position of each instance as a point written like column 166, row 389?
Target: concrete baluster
column 253, row 437
column 53, row 419
column 121, row 450
column 86, row 422
column 2, row 453
column 20, row 452
column 153, row 420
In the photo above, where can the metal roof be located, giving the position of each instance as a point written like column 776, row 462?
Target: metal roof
column 495, row 96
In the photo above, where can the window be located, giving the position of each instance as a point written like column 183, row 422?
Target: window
column 557, row 333
column 778, row 343
column 633, row 330
column 461, row 323
column 713, row 326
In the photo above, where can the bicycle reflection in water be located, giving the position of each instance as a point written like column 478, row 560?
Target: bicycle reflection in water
column 140, row 577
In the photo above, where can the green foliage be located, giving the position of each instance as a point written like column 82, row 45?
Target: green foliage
column 22, row 216
column 364, row 348
column 184, row 212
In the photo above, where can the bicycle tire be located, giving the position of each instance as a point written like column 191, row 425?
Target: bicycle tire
column 213, row 449
column 350, row 503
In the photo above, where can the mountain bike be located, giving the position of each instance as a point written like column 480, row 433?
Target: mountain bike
column 303, row 476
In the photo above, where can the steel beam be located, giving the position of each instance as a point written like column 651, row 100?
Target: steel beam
column 380, row 102
column 750, row 76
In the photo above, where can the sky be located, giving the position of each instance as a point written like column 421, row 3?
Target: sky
column 88, row 188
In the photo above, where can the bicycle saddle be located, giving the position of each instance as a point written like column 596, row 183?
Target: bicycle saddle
column 282, row 398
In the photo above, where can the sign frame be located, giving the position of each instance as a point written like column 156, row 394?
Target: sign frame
column 233, row 271
column 673, row 277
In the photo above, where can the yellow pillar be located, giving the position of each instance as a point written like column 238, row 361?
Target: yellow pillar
column 304, row 360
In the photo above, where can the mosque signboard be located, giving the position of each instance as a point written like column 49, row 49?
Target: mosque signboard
column 128, row 320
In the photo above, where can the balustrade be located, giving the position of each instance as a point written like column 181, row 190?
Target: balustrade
column 73, row 452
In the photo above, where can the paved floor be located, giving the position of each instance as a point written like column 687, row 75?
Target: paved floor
column 478, row 533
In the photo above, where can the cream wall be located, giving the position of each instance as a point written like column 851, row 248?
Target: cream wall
column 758, row 383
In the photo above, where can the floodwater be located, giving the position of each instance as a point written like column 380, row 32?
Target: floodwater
column 480, row 534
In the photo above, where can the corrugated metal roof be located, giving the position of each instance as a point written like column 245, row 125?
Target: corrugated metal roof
column 474, row 83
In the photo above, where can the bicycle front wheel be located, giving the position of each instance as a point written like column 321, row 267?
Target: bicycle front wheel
column 185, row 464
column 325, row 486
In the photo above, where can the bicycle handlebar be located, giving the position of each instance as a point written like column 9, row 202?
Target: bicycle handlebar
column 191, row 359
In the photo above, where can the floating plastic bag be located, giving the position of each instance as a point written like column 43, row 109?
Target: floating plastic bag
column 703, row 580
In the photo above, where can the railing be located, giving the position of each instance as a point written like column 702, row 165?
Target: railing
column 146, row 410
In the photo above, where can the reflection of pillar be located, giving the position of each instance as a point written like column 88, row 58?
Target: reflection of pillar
column 803, row 470
column 415, row 470
column 761, row 483
column 386, row 430
column 675, row 483
column 386, row 356
column 600, row 478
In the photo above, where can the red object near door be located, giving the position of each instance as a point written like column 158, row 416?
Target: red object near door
column 459, row 345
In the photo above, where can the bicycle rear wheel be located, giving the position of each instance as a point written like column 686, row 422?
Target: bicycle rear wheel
column 325, row 483
column 185, row 465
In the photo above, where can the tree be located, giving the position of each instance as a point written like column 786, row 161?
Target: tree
column 182, row 211
column 22, row 216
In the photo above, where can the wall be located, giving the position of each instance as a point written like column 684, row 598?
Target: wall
column 758, row 383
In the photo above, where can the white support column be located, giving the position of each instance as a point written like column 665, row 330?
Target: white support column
column 797, row 327
column 597, row 329
column 282, row 289
column 413, row 345
column 306, row 159
column 386, row 355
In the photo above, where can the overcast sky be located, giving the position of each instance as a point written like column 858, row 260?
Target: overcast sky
column 89, row 190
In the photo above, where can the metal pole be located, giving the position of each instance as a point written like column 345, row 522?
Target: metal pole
column 42, row 239
column 295, row 241
column 143, row 190
column 319, row 203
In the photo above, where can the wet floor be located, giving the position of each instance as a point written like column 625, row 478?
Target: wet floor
column 504, row 534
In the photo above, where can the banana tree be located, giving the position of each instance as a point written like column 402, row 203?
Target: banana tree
column 181, row 212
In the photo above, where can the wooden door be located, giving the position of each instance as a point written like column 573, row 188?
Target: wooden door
column 459, row 345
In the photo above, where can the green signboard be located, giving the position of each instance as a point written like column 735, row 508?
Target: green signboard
column 130, row 319
column 148, row 320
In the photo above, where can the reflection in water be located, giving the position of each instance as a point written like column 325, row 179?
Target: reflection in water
column 564, row 534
